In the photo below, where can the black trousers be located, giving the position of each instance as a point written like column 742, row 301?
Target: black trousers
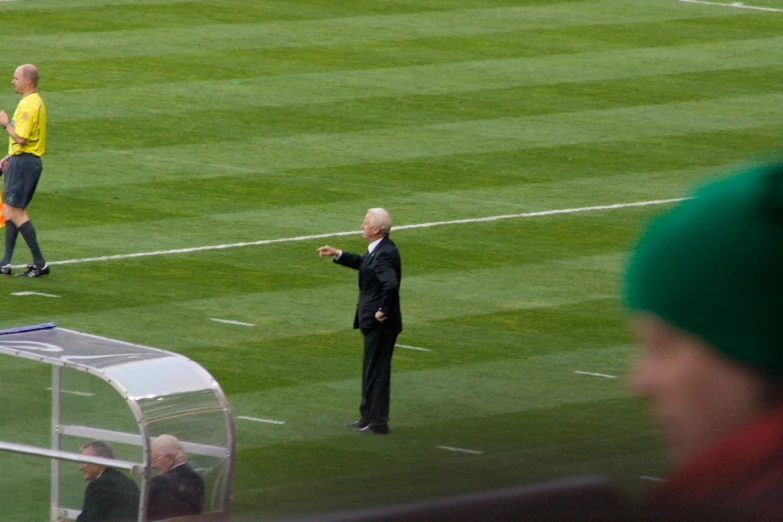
column 376, row 373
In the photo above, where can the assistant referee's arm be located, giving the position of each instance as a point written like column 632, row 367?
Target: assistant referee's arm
column 9, row 128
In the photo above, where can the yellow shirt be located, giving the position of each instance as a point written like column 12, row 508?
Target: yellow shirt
column 30, row 124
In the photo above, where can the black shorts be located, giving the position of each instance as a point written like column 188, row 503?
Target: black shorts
column 20, row 179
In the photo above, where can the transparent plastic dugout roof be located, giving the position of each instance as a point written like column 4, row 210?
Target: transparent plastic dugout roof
column 125, row 394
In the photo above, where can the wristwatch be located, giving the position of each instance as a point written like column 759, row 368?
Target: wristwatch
column 6, row 124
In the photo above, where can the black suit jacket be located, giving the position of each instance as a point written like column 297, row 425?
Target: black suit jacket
column 380, row 274
column 112, row 497
column 177, row 493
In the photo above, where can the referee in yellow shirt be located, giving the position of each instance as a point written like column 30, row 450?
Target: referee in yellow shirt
column 21, row 169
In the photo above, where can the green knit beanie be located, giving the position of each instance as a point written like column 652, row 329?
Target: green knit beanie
column 713, row 266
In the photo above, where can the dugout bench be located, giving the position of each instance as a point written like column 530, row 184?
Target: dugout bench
column 125, row 394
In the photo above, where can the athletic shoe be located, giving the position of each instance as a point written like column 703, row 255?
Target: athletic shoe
column 34, row 271
column 380, row 429
column 5, row 270
column 358, row 424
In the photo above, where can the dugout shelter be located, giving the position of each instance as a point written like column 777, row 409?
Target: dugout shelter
column 125, row 394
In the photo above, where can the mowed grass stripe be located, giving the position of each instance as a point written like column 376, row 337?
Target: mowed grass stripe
column 288, row 313
column 46, row 6
column 79, row 45
column 522, row 450
column 304, row 151
column 261, row 274
column 266, row 9
column 385, row 112
column 311, row 196
column 428, row 396
column 148, row 234
column 463, row 77
column 208, row 64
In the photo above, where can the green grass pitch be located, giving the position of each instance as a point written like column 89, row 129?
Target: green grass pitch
column 178, row 124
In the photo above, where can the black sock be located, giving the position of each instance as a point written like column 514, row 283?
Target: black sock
column 10, row 242
column 28, row 233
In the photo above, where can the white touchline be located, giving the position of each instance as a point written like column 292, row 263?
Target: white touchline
column 407, row 347
column 34, row 293
column 357, row 232
column 542, row 213
column 597, row 374
column 736, row 5
column 83, row 394
column 268, row 421
column 229, row 321
column 460, row 450
column 653, row 479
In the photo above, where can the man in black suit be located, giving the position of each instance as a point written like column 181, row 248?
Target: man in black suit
column 378, row 315
column 110, row 496
column 178, row 490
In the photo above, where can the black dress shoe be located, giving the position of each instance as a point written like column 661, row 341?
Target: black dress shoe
column 358, row 424
column 377, row 429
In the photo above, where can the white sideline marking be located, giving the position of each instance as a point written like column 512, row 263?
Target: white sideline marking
column 83, row 394
column 268, row 421
column 460, row 450
column 34, row 293
column 653, row 479
column 229, row 321
column 597, row 374
column 357, row 232
column 736, row 5
column 413, row 348
column 541, row 213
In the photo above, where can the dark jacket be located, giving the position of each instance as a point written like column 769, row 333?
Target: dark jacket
column 112, row 497
column 380, row 274
column 176, row 493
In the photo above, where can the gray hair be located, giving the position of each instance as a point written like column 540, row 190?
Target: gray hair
column 380, row 218
column 170, row 445
column 99, row 449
